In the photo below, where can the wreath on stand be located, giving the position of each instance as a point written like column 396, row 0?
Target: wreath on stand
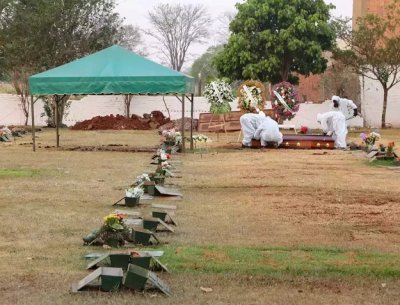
column 285, row 101
column 219, row 95
column 251, row 96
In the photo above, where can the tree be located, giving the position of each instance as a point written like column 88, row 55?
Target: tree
column 222, row 31
column 342, row 81
column 43, row 34
column 176, row 28
column 273, row 39
column 5, row 10
column 373, row 49
column 203, row 69
column 131, row 39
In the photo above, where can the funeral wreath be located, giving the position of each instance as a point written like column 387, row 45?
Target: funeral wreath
column 285, row 101
column 219, row 94
column 251, row 96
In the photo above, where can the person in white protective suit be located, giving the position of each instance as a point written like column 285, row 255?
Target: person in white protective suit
column 334, row 123
column 249, row 123
column 268, row 131
column 345, row 106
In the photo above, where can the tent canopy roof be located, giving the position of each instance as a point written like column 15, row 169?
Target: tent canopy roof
column 114, row 70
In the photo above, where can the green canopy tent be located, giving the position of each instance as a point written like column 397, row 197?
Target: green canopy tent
column 114, row 70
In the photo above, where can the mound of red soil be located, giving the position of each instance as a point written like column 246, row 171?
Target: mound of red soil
column 119, row 122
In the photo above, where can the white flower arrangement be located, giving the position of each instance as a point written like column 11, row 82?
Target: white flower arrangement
column 141, row 179
column 135, row 192
column 170, row 135
column 219, row 95
column 200, row 138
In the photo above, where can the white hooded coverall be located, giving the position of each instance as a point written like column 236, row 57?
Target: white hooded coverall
column 346, row 107
column 268, row 131
column 249, row 123
column 334, row 121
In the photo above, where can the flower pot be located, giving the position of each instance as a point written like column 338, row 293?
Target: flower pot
column 141, row 237
column 132, row 201
column 161, row 215
column 112, row 242
column 159, row 180
column 151, row 190
column 142, row 261
column 136, row 277
column 111, row 279
column 148, row 187
column 120, row 260
column 151, row 224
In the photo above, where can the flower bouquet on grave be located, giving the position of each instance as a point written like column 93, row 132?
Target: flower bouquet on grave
column 161, row 156
column 370, row 139
column 251, row 96
column 132, row 195
column 171, row 140
column 114, row 232
column 219, row 94
column 285, row 101
column 390, row 150
column 140, row 180
column 162, row 172
column 200, row 140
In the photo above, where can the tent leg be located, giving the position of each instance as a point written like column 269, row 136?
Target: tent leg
column 191, row 121
column 33, row 124
column 183, row 123
column 56, row 121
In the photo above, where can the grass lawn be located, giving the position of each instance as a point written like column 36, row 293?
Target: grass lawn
column 258, row 227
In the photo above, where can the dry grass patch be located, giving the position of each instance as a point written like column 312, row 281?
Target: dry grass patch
column 245, row 217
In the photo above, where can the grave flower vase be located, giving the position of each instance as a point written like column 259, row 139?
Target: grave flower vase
column 111, row 279
column 132, row 201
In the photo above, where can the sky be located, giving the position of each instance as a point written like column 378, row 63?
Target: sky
column 135, row 12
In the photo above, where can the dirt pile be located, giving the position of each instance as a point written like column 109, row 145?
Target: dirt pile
column 119, row 122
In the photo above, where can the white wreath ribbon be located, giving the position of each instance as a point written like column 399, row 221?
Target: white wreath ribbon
column 250, row 96
column 217, row 92
column 282, row 101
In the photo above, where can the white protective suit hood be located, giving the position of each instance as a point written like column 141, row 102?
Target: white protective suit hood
column 335, row 98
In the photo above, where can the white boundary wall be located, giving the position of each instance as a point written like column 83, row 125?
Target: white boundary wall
column 99, row 105
column 372, row 101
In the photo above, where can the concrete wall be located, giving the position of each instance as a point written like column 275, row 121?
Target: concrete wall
column 372, row 104
column 11, row 111
column 307, row 116
column 91, row 106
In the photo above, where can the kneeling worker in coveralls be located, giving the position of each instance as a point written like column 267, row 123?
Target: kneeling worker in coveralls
column 334, row 122
column 268, row 131
column 249, row 123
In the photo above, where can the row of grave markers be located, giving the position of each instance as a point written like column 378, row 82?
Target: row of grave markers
column 136, row 269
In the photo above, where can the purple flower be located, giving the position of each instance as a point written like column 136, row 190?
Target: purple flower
column 363, row 136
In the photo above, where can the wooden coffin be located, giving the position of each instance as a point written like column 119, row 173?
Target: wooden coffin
column 296, row 141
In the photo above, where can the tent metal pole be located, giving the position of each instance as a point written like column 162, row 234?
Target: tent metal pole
column 56, row 121
column 33, row 124
column 191, row 120
column 183, row 123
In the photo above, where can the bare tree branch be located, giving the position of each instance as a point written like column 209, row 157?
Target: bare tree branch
column 176, row 28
